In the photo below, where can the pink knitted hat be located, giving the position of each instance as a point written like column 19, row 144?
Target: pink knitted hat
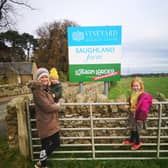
column 41, row 72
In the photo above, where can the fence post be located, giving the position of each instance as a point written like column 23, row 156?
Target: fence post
column 92, row 131
column 106, row 87
column 159, row 130
column 80, row 87
column 29, row 128
column 22, row 128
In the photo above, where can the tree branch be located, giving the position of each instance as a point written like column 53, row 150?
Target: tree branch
column 7, row 11
column 1, row 7
column 22, row 3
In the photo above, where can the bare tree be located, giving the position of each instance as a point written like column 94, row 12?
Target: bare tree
column 8, row 12
column 52, row 45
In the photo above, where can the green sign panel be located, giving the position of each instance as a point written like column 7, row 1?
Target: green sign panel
column 96, row 72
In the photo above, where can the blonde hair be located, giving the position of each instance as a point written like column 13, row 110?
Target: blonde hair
column 139, row 80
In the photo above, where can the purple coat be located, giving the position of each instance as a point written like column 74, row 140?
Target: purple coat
column 143, row 106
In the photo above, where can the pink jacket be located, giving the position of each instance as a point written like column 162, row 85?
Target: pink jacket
column 143, row 106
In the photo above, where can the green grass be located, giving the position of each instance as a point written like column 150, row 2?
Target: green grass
column 11, row 158
column 152, row 84
column 110, row 164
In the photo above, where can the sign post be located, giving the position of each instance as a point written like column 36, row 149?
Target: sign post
column 94, row 53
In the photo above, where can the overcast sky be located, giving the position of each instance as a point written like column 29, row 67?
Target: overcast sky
column 144, row 22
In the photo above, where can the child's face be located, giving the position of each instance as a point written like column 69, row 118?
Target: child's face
column 54, row 81
column 136, row 87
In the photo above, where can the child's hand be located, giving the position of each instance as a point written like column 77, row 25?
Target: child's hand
column 127, row 106
column 62, row 108
column 58, row 105
column 61, row 101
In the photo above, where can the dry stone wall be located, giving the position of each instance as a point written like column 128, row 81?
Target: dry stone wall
column 16, row 119
column 13, row 90
column 92, row 92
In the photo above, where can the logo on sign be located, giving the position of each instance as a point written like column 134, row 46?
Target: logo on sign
column 78, row 36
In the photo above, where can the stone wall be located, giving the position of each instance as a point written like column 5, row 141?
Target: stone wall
column 93, row 92
column 107, row 111
column 13, row 90
column 16, row 119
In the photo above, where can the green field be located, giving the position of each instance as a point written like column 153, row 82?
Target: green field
column 153, row 84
